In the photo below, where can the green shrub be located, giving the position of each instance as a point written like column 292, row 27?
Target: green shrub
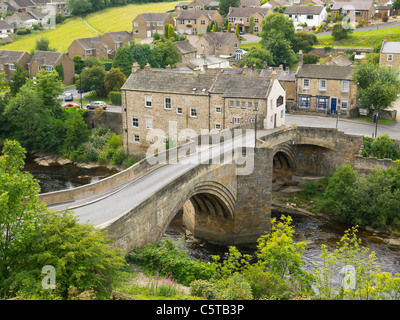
column 115, row 98
column 381, row 147
column 234, row 288
column 309, row 58
column 203, row 289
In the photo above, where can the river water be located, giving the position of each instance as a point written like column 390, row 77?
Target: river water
column 314, row 231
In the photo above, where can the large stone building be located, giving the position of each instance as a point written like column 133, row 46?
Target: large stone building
column 390, row 54
column 155, row 99
column 325, row 89
column 145, row 25
column 196, row 21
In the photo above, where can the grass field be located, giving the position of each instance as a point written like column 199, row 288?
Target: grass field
column 112, row 19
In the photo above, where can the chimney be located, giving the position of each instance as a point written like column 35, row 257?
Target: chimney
column 245, row 72
column 300, row 58
column 147, row 66
column 205, row 66
column 340, row 53
column 265, row 65
column 168, row 67
column 274, row 75
column 135, row 67
column 281, row 67
column 330, row 60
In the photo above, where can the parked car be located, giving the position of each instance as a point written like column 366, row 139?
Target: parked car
column 68, row 96
column 96, row 104
column 70, row 105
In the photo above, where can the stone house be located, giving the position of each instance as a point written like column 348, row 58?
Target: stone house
column 355, row 10
column 325, row 89
column 116, row 40
column 242, row 17
column 311, row 15
column 287, row 79
column 49, row 61
column 145, row 25
column 217, row 43
column 5, row 28
column 88, row 47
column 202, row 5
column 340, row 60
column 390, row 54
column 155, row 99
column 9, row 57
column 196, row 21
column 186, row 50
column 250, row 3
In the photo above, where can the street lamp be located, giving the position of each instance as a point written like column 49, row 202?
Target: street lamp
column 255, row 125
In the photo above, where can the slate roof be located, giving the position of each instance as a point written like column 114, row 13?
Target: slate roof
column 314, row 10
column 119, row 35
column 248, row 12
column 176, row 81
column 90, row 43
column 184, row 46
column 325, row 72
column 154, row 16
column 10, row 56
column 353, row 5
column 218, row 37
column 340, row 61
column 281, row 75
column 5, row 25
column 196, row 14
column 46, row 58
column 391, row 47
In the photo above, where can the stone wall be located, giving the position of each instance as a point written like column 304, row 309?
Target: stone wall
column 108, row 119
column 366, row 165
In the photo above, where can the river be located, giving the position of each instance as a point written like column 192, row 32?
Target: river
column 314, row 231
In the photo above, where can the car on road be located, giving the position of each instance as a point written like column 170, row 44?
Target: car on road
column 70, row 105
column 96, row 104
column 68, row 96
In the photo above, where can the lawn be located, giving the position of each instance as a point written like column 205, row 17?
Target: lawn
column 111, row 19
column 122, row 17
column 364, row 39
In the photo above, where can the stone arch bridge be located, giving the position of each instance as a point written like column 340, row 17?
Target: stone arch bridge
column 219, row 204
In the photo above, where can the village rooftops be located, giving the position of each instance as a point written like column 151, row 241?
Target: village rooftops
column 325, row 72
column 155, row 16
column 314, row 10
column 46, row 58
column 248, row 12
column 11, row 56
column 90, row 43
column 353, row 5
column 391, row 47
column 196, row 14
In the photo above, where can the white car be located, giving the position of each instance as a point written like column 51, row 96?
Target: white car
column 96, row 104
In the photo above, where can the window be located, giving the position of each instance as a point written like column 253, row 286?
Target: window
column 237, row 104
column 193, row 112
column 322, row 85
column 149, row 123
column 178, row 110
column 250, row 105
column 357, row 13
column 49, row 68
column 389, row 57
column 217, row 126
column 236, row 120
column 256, row 106
column 136, row 31
column 304, row 101
column 310, row 17
column 279, row 101
column 88, row 51
column 255, row 29
column 306, row 84
column 322, row 103
column 256, row 20
column 345, row 86
column 243, row 105
column 147, row 100
column 252, row 120
column 12, row 67
column 135, row 122
column 231, row 20
column 231, row 103
column 135, row 24
column 181, row 21
column 218, row 109
column 344, row 104
column 136, row 138
column 203, row 22
column 167, row 103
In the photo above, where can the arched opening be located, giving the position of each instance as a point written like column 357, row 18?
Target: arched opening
column 283, row 169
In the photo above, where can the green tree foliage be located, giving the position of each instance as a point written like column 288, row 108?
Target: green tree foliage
column 396, row 4
column 49, row 87
column 304, row 41
column 79, row 64
column 163, row 54
column 76, row 130
column 281, row 51
column 79, row 7
column 225, row 4
column 237, row 32
column 377, row 86
column 43, row 44
column 258, row 56
column 93, row 79
column 381, row 147
column 18, row 79
column 338, row 32
column 114, row 80
column 277, row 24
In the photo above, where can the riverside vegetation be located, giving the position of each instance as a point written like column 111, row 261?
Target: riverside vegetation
column 88, row 267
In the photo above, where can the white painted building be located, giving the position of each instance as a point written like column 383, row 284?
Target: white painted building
column 311, row 15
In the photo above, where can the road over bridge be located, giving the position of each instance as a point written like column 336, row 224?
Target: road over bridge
column 224, row 187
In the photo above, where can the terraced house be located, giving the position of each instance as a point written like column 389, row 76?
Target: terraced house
column 145, row 25
column 9, row 57
column 243, row 16
column 88, row 47
column 155, row 99
column 390, row 54
column 325, row 89
column 196, row 21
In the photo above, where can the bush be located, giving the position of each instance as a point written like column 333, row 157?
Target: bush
column 115, row 98
column 311, row 188
column 203, row 289
column 309, row 58
column 381, row 147
column 234, row 288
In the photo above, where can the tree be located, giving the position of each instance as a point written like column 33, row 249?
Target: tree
column 338, row 32
column 237, row 32
column 43, row 44
column 18, row 79
column 49, row 87
column 123, row 60
column 141, row 53
column 377, row 86
column 163, row 54
column 277, row 24
column 224, row 6
column 114, row 80
column 79, row 64
column 76, row 130
column 281, row 51
column 304, row 41
column 396, row 4
column 258, row 56
column 93, row 80
column 79, row 7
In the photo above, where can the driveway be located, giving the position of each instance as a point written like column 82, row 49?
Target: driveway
column 248, row 37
